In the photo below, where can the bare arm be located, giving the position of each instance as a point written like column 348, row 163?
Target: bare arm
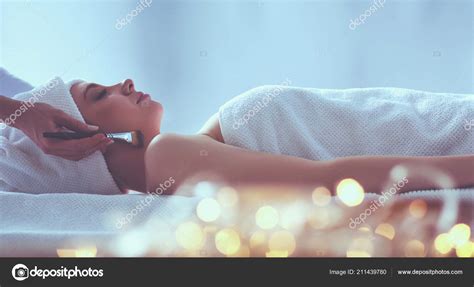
column 182, row 156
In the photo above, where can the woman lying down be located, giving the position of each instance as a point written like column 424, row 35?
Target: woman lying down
column 290, row 135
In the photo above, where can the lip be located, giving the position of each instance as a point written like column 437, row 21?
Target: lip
column 142, row 97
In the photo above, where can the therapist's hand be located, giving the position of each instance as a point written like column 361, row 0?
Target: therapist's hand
column 44, row 118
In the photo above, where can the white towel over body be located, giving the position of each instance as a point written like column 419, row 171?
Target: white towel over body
column 321, row 124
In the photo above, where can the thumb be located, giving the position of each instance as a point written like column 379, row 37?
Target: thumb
column 71, row 123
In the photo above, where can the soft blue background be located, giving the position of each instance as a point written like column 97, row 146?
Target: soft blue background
column 194, row 55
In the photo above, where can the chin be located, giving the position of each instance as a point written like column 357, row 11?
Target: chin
column 156, row 107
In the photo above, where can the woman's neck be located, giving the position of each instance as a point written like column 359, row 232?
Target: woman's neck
column 126, row 163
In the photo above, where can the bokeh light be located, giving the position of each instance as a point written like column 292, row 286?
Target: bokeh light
column 282, row 241
column 86, row 251
column 357, row 253
column 190, row 236
column 227, row 241
column 350, row 192
column 398, row 172
column 227, row 196
column 204, row 189
column 321, row 196
column 360, row 247
column 459, row 234
column 257, row 239
column 208, row 210
column 133, row 243
column 465, row 250
column 318, row 218
column 443, row 243
column 418, row 208
column 276, row 253
column 243, row 251
column 414, row 248
column 293, row 217
column 386, row 230
column 266, row 217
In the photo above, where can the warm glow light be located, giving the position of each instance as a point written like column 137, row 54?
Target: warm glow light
column 418, row 208
column 357, row 253
column 360, row 247
column 190, row 236
column 365, row 229
column 459, row 234
column 318, row 218
column 208, row 210
column 227, row 196
column 385, row 230
column 443, row 244
column 415, row 248
column 465, row 250
column 276, row 253
column 86, row 252
column 227, row 241
column 243, row 251
column 398, row 173
column 293, row 217
column 282, row 241
column 90, row 251
column 350, row 192
column 204, row 189
column 66, row 252
column 321, row 196
column 266, row 217
column 257, row 239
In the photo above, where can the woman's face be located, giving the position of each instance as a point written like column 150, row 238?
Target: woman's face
column 118, row 108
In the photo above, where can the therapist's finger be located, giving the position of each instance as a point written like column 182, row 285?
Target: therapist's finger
column 65, row 120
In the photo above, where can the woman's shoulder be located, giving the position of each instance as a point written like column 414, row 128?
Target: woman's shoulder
column 173, row 155
column 169, row 146
column 212, row 128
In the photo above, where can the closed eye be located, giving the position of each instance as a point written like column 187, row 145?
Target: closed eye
column 102, row 94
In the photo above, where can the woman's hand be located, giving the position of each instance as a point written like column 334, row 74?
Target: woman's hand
column 44, row 118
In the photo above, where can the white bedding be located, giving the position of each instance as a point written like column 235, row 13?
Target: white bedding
column 37, row 225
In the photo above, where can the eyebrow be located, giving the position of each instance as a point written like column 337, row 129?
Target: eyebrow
column 90, row 86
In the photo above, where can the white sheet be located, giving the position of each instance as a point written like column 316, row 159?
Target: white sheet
column 36, row 225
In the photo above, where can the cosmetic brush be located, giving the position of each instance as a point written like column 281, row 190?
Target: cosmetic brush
column 134, row 138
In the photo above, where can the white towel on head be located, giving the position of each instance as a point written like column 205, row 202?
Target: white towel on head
column 25, row 168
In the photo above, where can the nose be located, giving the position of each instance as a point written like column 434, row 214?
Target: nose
column 128, row 87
